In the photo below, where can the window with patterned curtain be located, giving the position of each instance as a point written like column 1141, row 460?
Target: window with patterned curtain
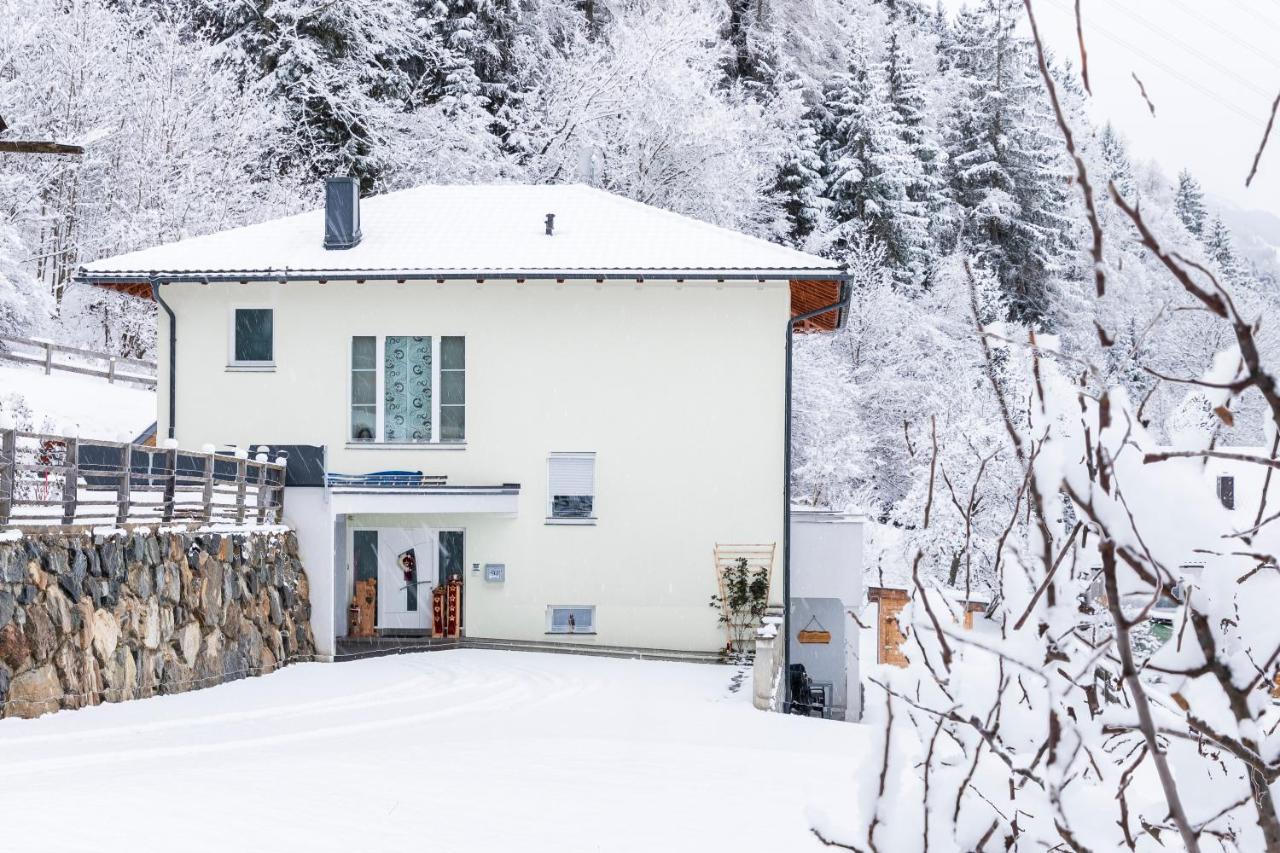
column 407, row 388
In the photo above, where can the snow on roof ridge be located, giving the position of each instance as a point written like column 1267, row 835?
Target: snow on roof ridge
column 641, row 237
column 686, row 219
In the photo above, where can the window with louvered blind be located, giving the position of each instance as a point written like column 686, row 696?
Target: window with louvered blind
column 571, row 486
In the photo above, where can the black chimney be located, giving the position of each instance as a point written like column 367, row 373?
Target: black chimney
column 341, row 213
column 551, row 224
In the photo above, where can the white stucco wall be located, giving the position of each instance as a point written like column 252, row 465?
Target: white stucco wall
column 677, row 389
column 826, row 565
column 306, row 513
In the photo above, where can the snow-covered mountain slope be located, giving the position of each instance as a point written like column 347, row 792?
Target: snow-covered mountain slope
column 67, row 404
column 1257, row 234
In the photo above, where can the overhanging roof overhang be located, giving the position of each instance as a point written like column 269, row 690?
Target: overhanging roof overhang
column 810, row 287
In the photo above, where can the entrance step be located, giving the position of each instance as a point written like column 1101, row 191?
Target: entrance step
column 352, row 648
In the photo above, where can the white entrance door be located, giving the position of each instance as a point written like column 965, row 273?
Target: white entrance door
column 406, row 569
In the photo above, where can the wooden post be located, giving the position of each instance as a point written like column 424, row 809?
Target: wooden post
column 263, row 492
column 170, row 482
column 111, row 369
column 48, row 359
column 206, row 497
column 242, row 471
column 8, row 472
column 70, row 480
column 278, row 494
column 126, row 481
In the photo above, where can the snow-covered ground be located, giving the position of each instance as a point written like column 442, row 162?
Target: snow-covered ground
column 464, row 750
column 68, row 404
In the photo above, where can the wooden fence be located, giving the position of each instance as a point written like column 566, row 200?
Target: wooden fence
column 58, row 479
column 86, row 362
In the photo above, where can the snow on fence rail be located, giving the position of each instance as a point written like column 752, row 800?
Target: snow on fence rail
column 76, row 360
column 58, row 479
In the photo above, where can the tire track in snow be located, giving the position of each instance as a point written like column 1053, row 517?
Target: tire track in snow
column 510, row 690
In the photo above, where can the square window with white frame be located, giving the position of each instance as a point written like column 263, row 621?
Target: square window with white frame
column 252, row 337
column 571, row 619
column 407, row 389
column 571, row 487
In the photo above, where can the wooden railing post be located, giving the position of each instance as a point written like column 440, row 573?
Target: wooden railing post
column 70, row 480
column 48, row 359
column 278, row 492
column 170, row 482
column 263, row 492
column 8, row 472
column 126, row 481
column 206, row 498
column 242, row 472
column 111, row 369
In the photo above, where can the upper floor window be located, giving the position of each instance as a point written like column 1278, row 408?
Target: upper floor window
column 252, row 336
column 394, row 384
column 571, row 486
column 1227, row 491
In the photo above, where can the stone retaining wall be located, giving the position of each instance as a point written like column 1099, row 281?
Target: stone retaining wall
column 86, row 619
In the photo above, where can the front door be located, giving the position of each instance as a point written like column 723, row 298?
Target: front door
column 406, row 568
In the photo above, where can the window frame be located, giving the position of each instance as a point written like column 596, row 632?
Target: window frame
column 1228, row 479
column 572, row 520
column 379, row 370
column 551, row 629
column 249, row 365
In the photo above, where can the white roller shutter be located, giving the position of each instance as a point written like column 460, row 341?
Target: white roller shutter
column 570, row 475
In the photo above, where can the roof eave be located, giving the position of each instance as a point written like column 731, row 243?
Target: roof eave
column 95, row 277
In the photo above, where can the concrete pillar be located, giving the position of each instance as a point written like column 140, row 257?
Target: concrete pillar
column 768, row 659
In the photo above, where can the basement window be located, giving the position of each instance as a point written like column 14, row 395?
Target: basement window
column 252, row 337
column 571, row 620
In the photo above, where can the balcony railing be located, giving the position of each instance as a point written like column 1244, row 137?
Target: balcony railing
column 57, row 479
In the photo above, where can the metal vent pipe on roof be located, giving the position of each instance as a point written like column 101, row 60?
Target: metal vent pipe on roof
column 341, row 213
column 551, row 224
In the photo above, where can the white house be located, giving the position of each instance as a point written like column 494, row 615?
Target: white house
column 582, row 396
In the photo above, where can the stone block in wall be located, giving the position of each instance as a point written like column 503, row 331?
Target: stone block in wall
column 34, row 692
column 86, row 619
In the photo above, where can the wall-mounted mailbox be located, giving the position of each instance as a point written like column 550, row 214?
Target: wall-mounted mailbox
column 495, row 572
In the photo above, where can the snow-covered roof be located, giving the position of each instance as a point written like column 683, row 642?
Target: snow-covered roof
column 477, row 229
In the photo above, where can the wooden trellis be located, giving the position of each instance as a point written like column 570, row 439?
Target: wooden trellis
column 726, row 557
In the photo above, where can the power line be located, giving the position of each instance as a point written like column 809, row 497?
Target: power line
column 1252, row 10
column 1226, row 33
column 1172, row 72
column 1194, row 51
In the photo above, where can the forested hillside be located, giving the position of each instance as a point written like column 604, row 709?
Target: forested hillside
column 900, row 138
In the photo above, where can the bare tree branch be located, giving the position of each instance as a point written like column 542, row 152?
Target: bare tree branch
column 1266, row 134
column 1143, row 90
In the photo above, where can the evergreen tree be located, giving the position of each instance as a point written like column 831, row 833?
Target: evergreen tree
column 800, row 185
column 1221, row 248
column 1115, row 157
column 906, row 100
column 340, row 71
column 944, row 40
column 1189, row 203
column 870, row 170
column 1006, row 165
column 487, row 36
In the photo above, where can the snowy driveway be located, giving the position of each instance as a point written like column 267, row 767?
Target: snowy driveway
column 464, row 750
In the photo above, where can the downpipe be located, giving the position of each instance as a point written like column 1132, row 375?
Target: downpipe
column 840, row 305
